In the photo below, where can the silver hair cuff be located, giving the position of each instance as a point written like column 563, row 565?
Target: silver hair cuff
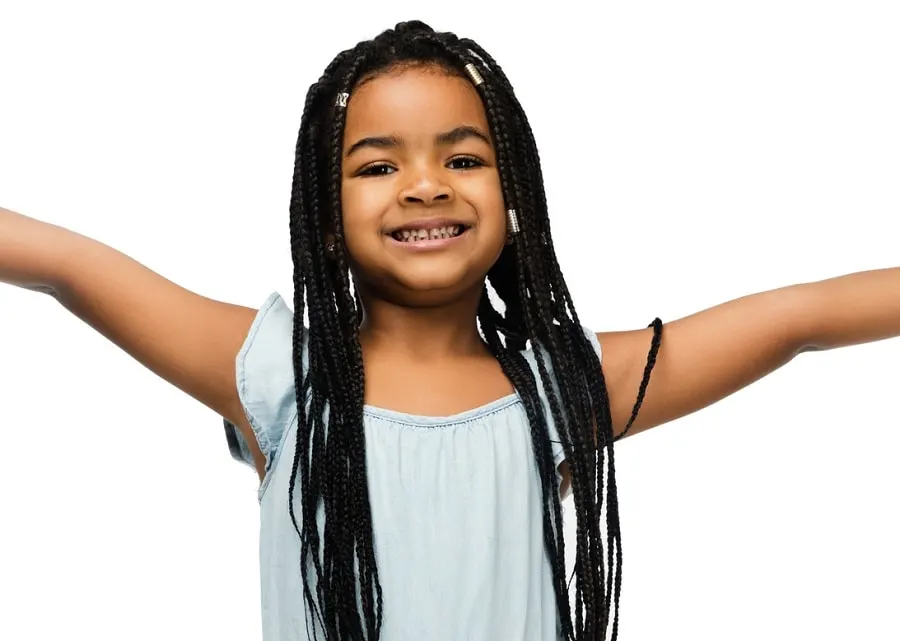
column 513, row 221
column 474, row 75
column 341, row 100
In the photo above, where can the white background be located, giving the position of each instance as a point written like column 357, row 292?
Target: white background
column 694, row 152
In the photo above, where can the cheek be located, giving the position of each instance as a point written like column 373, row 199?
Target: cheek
column 490, row 204
column 361, row 208
column 362, row 212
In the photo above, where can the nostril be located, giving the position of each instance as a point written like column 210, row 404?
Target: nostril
column 442, row 197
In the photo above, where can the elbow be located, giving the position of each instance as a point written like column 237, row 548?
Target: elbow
column 805, row 313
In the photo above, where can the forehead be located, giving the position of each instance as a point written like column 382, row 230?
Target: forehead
column 416, row 101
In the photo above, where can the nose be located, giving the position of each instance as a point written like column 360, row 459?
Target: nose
column 425, row 187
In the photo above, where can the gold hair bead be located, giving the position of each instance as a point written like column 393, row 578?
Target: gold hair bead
column 473, row 73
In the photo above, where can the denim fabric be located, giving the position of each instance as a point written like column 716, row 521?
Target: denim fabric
column 455, row 503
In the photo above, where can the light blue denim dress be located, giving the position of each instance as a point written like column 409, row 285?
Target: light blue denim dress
column 455, row 503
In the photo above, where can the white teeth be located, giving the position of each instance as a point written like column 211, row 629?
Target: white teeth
column 414, row 235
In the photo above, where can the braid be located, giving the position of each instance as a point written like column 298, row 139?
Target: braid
column 330, row 454
column 527, row 299
column 528, row 152
column 303, row 198
column 359, row 500
column 540, row 319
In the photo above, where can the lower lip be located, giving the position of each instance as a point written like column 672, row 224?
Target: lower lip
column 427, row 245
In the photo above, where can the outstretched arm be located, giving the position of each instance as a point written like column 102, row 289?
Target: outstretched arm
column 711, row 354
column 187, row 339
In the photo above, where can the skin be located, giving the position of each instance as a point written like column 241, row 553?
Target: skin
column 419, row 330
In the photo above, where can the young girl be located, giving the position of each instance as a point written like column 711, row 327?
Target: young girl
column 417, row 418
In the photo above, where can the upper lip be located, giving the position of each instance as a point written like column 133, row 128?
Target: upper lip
column 427, row 223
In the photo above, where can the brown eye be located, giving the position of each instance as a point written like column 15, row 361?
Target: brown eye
column 376, row 170
column 465, row 162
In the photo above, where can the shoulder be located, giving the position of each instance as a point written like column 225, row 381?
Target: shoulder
column 591, row 338
column 265, row 363
column 265, row 384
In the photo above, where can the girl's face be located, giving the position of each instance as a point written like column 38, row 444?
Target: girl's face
column 418, row 161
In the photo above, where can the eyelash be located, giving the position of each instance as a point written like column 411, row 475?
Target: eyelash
column 475, row 162
column 373, row 170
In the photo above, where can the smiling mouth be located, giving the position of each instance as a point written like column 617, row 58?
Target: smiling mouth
column 436, row 233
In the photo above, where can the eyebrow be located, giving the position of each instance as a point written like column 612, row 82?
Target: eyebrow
column 446, row 138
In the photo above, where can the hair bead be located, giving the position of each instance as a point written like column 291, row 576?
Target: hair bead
column 513, row 221
column 474, row 74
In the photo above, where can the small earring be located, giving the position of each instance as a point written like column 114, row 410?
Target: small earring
column 330, row 247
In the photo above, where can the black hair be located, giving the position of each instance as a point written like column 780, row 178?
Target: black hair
column 339, row 567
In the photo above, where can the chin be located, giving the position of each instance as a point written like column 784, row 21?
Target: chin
column 432, row 283
column 424, row 283
column 432, row 289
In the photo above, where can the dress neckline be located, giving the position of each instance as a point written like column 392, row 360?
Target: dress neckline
column 431, row 421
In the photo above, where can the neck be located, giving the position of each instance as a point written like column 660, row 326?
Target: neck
column 422, row 332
